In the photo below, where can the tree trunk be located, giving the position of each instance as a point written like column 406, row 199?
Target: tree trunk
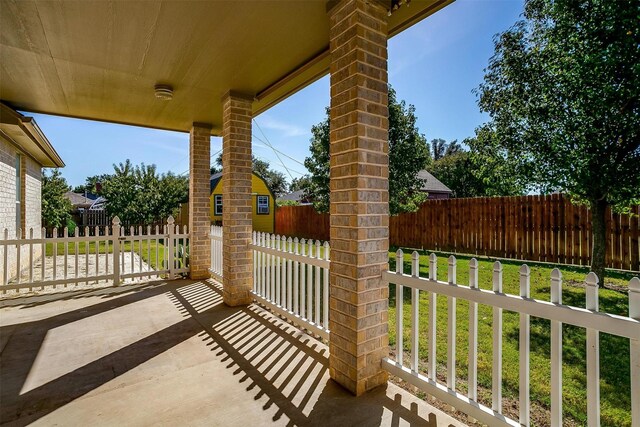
column 598, row 228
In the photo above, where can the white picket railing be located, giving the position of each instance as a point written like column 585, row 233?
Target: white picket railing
column 590, row 318
column 291, row 277
column 93, row 255
column 216, row 252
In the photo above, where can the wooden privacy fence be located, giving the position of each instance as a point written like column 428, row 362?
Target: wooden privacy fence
column 302, row 221
column 537, row 228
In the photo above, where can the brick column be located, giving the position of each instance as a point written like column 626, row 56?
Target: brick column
column 199, row 216
column 359, row 194
column 237, row 258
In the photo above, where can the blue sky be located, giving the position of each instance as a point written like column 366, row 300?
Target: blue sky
column 434, row 65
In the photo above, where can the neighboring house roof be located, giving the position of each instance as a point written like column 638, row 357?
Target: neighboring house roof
column 78, row 200
column 98, row 204
column 295, row 196
column 432, row 184
column 25, row 133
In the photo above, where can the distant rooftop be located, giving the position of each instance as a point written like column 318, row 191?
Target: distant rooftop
column 295, row 196
column 79, row 200
column 432, row 184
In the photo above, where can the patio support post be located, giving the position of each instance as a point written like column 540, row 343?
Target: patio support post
column 359, row 194
column 199, row 216
column 237, row 257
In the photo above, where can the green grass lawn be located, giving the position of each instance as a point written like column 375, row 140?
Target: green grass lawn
column 147, row 250
column 614, row 351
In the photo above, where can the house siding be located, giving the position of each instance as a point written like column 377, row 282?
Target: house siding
column 31, row 184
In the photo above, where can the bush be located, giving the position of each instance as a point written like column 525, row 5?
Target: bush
column 71, row 226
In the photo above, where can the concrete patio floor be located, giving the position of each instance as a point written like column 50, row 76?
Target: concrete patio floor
column 169, row 353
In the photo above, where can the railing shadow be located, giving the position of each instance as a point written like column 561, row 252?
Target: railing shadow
column 290, row 368
column 280, row 366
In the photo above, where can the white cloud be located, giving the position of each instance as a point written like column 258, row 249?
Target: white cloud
column 286, row 130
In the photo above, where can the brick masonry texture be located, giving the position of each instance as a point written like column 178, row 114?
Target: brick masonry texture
column 31, row 206
column 199, row 221
column 359, row 194
column 237, row 257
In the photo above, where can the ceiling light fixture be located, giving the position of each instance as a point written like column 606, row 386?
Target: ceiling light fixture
column 164, row 92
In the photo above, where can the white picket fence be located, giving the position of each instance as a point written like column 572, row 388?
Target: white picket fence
column 590, row 318
column 290, row 277
column 93, row 255
column 216, row 252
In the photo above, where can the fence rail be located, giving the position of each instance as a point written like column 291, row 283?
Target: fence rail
column 91, row 255
column 536, row 228
column 590, row 319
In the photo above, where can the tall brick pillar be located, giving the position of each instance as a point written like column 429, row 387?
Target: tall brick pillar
column 359, row 194
column 199, row 216
column 237, row 259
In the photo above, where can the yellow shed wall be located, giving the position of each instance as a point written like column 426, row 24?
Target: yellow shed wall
column 264, row 223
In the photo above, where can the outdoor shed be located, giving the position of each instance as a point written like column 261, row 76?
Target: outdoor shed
column 262, row 203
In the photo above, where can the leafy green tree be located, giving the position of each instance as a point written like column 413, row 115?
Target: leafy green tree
column 56, row 209
column 139, row 195
column 483, row 171
column 408, row 154
column 497, row 171
column 563, row 93
column 300, row 183
column 456, row 172
column 318, row 166
column 440, row 148
column 92, row 184
column 276, row 181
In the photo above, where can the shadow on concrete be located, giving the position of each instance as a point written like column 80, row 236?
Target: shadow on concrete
column 282, row 369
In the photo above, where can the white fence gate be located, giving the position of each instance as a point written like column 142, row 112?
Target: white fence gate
column 93, row 255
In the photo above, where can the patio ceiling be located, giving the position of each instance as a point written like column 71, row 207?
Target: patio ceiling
column 101, row 60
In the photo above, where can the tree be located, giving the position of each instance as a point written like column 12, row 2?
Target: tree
column 92, row 184
column 497, row 171
column 563, row 94
column 300, row 183
column 456, row 172
column 55, row 207
column 276, row 181
column 483, row 171
column 440, row 148
column 408, row 154
column 318, row 165
column 139, row 195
